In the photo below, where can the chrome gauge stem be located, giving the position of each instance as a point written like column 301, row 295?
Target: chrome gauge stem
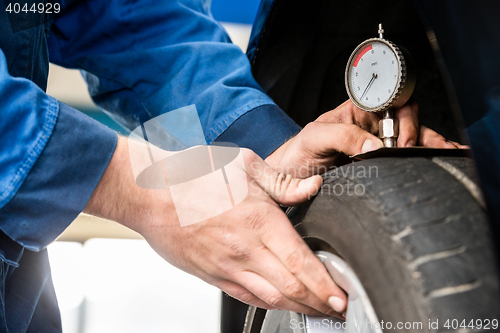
column 380, row 31
column 388, row 129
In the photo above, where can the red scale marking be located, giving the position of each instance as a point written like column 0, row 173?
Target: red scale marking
column 361, row 54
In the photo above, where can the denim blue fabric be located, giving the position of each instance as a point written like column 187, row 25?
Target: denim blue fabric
column 469, row 47
column 485, row 141
column 140, row 59
column 258, row 26
column 49, row 166
column 246, row 131
column 27, row 296
column 61, row 181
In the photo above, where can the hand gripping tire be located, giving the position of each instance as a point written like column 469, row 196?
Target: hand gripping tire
column 415, row 232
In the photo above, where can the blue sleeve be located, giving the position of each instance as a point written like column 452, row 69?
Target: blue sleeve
column 144, row 58
column 248, row 130
column 484, row 136
column 51, row 159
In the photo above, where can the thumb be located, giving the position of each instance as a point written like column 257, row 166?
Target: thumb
column 283, row 188
column 328, row 138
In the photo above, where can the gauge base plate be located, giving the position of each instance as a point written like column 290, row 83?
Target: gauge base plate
column 413, row 152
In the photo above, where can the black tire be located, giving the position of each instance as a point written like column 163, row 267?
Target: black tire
column 415, row 233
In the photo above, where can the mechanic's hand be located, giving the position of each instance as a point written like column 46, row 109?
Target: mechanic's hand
column 252, row 251
column 348, row 130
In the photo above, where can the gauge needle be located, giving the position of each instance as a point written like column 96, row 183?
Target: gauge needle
column 374, row 76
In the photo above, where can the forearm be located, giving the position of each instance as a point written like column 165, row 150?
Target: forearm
column 118, row 198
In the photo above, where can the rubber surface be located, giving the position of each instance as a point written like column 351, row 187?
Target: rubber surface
column 414, row 234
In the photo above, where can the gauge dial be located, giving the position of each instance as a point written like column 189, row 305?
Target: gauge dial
column 375, row 75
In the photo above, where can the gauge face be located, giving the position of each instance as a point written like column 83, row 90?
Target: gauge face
column 373, row 75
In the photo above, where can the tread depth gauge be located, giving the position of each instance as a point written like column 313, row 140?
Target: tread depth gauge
column 380, row 77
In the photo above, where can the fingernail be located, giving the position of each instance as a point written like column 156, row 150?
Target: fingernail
column 371, row 144
column 336, row 303
column 410, row 143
